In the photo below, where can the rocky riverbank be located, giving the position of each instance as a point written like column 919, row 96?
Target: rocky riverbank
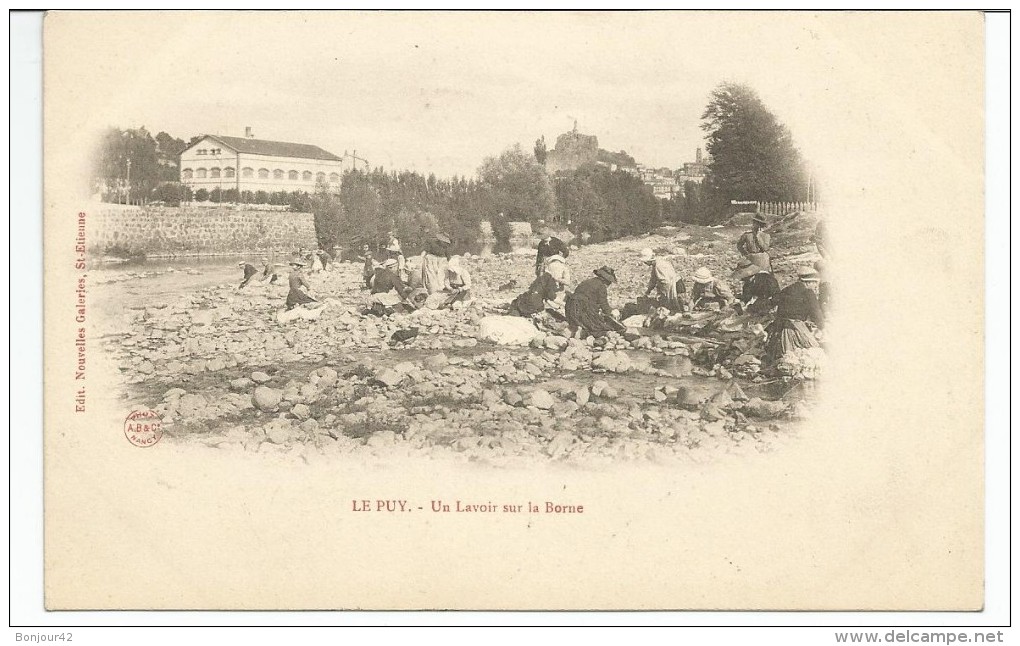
column 223, row 372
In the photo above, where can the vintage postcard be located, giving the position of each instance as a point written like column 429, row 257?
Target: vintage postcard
column 438, row 310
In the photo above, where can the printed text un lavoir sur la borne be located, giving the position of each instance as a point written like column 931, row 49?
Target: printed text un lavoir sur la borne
column 455, row 506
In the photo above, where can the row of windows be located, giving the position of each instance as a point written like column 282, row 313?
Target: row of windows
column 209, row 151
column 263, row 173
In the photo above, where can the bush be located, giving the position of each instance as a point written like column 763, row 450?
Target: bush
column 201, row 195
column 172, row 193
column 606, row 204
column 413, row 228
column 501, row 231
column 261, row 197
column 300, row 201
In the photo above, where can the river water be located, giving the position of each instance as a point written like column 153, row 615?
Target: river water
column 117, row 287
column 134, row 284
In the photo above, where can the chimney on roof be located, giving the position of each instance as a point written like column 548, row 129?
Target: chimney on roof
column 248, row 134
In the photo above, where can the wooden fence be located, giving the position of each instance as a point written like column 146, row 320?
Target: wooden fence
column 785, row 208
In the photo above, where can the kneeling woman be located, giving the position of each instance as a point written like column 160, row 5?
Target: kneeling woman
column 587, row 308
column 709, row 292
column 795, row 306
column 541, row 295
column 249, row 273
column 299, row 287
column 457, row 283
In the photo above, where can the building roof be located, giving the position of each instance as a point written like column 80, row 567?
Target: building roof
column 274, row 148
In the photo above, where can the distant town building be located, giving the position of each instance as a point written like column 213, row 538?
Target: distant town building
column 249, row 164
column 664, row 187
column 693, row 171
column 660, row 180
column 574, row 149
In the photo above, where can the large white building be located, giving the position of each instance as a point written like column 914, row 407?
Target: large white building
column 249, row 164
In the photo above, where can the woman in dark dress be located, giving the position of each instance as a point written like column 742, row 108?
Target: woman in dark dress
column 298, row 294
column 542, row 289
column 795, row 306
column 758, row 288
column 385, row 279
column 249, row 273
column 587, row 308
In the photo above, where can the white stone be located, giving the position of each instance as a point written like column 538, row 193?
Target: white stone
column 541, row 399
column 506, row 330
column 266, row 398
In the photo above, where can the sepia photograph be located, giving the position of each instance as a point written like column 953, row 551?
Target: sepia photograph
column 387, row 310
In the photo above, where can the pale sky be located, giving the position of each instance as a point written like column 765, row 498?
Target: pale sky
column 431, row 92
column 440, row 91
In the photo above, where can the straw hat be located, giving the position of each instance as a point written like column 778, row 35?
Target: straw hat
column 759, row 218
column 606, row 273
column 807, row 273
column 647, row 255
column 703, row 275
column 296, row 262
column 390, row 262
column 241, row 264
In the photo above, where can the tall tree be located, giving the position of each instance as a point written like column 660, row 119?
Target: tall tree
column 753, row 155
column 168, row 153
column 540, row 151
column 126, row 165
column 519, row 186
column 328, row 215
column 606, row 204
column 363, row 219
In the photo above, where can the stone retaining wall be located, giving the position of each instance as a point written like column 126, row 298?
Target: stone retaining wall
column 194, row 231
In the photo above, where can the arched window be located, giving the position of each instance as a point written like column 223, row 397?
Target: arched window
column 334, row 178
column 214, row 172
column 306, row 176
column 228, row 171
column 247, row 171
column 200, row 173
column 320, row 177
column 292, row 175
column 263, row 173
column 277, row 174
column 187, row 173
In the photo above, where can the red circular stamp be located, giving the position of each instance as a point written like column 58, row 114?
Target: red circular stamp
column 143, row 428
